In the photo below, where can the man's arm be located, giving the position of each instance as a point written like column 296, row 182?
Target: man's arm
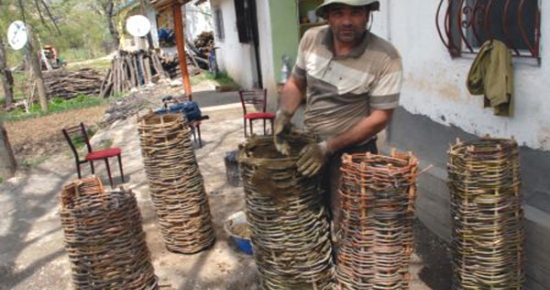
column 367, row 128
column 292, row 95
column 314, row 156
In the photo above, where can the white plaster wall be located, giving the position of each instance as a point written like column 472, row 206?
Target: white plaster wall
column 435, row 84
column 266, row 50
column 197, row 19
column 234, row 57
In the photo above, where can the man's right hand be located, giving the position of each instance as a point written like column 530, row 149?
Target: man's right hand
column 282, row 129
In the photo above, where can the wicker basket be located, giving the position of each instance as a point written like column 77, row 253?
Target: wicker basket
column 176, row 184
column 377, row 195
column 104, row 238
column 290, row 229
column 487, row 232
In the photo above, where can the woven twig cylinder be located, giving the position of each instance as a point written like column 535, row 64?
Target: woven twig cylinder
column 176, row 185
column 290, row 229
column 487, row 232
column 104, row 238
column 375, row 239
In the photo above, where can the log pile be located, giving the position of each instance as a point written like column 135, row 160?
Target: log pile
column 69, row 84
column 131, row 70
column 171, row 65
column 204, row 43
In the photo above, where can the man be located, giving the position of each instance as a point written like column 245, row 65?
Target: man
column 350, row 80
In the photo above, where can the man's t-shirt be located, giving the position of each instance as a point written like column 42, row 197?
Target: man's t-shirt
column 341, row 91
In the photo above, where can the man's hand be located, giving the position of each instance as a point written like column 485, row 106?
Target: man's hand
column 282, row 129
column 312, row 158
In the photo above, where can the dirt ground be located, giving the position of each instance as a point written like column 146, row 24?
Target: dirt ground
column 31, row 139
column 31, row 239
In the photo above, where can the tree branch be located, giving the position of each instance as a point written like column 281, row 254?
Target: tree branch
column 50, row 15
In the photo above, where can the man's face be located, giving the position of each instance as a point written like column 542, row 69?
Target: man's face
column 348, row 23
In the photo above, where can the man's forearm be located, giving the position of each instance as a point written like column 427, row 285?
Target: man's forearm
column 292, row 95
column 363, row 130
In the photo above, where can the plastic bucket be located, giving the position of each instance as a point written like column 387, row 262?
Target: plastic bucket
column 232, row 224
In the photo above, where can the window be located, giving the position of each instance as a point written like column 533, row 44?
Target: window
column 218, row 22
column 246, row 20
column 464, row 25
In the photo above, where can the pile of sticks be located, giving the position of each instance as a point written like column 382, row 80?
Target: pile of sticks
column 69, row 84
column 131, row 70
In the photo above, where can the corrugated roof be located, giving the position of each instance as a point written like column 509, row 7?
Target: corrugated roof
column 159, row 4
column 126, row 5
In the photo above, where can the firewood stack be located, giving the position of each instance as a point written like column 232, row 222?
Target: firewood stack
column 204, row 43
column 132, row 70
column 69, row 84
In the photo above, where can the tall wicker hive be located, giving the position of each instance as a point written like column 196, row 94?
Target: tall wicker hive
column 177, row 187
column 289, row 222
column 487, row 231
column 377, row 195
column 104, row 238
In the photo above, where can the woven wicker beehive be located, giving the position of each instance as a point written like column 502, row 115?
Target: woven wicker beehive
column 176, row 184
column 104, row 238
column 487, row 232
column 377, row 195
column 290, row 229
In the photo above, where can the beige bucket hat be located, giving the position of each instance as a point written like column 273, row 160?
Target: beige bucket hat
column 320, row 10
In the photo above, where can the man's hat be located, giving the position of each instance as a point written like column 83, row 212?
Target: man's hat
column 320, row 11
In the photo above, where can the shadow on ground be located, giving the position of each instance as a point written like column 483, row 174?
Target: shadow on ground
column 434, row 253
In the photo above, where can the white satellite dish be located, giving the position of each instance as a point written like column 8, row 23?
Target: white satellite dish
column 17, row 35
column 138, row 25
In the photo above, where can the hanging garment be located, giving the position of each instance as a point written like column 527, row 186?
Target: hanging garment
column 491, row 75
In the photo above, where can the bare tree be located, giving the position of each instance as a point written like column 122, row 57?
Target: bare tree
column 7, row 159
column 106, row 8
column 5, row 75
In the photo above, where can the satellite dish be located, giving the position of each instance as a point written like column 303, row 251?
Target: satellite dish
column 17, row 35
column 138, row 25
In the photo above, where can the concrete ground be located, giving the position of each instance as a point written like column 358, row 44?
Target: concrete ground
column 32, row 254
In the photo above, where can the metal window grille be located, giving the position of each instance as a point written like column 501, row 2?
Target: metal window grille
column 247, row 27
column 218, row 20
column 464, row 25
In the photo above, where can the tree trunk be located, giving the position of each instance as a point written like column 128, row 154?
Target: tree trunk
column 37, row 71
column 111, row 23
column 7, row 159
column 5, row 76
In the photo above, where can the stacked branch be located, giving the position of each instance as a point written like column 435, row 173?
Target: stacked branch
column 131, row 70
column 69, row 84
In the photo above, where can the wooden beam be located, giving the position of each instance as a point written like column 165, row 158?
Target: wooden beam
column 178, row 29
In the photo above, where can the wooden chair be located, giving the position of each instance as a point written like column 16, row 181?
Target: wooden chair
column 79, row 134
column 256, row 98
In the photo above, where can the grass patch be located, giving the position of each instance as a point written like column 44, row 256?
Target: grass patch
column 223, row 79
column 31, row 163
column 98, row 65
column 56, row 105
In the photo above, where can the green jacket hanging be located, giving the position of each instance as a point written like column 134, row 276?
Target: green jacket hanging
column 492, row 75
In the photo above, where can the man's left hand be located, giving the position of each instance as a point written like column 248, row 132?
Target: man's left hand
column 312, row 158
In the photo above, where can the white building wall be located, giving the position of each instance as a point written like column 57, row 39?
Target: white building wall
column 435, row 84
column 266, row 48
column 198, row 19
column 236, row 58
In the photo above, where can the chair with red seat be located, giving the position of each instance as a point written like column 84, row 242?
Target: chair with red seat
column 256, row 99
column 77, row 134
